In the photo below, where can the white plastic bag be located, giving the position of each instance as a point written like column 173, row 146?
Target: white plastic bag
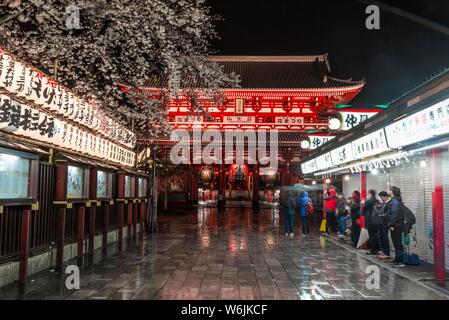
column 364, row 237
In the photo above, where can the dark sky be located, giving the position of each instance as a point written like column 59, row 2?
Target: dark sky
column 391, row 60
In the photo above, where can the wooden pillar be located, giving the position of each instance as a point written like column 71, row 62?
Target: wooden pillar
column 80, row 234
column 120, row 207
column 61, row 201
column 135, row 215
column 60, row 236
column 24, row 244
column 105, row 225
column 93, row 177
column 92, row 215
column 438, row 216
column 141, row 217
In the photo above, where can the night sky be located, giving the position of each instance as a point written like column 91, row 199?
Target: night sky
column 391, row 60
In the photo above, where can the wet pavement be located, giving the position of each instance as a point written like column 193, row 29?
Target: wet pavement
column 235, row 254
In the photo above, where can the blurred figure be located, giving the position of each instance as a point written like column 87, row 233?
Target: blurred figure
column 384, row 241
column 342, row 213
column 289, row 211
column 396, row 225
column 303, row 202
column 355, row 217
column 330, row 201
column 372, row 228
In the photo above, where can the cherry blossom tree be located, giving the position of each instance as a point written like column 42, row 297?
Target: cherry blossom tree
column 94, row 46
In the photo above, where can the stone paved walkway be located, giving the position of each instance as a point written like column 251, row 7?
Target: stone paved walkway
column 236, row 254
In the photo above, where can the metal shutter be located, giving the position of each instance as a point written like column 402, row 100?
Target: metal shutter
column 416, row 187
column 351, row 185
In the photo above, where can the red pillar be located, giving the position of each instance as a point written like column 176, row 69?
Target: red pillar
column 60, row 238
column 80, row 233
column 121, row 213
column 135, row 215
column 141, row 217
column 105, row 225
column 120, row 207
column 24, row 245
column 438, row 216
column 92, row 214
column 363, row 185
column 221, row 184
column 130, row 219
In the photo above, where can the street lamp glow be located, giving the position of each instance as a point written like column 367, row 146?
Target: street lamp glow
column 305, row 144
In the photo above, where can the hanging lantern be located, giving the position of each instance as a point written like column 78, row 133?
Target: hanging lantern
column 288, row 104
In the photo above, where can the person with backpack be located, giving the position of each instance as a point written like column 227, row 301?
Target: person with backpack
column 371, row 226
column 342, row 213
column 381, row 212
column 305, row 211
column 355, row 216
column 330, row 203
column 396, row 225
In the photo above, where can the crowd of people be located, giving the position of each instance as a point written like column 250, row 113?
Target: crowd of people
column 381, row 215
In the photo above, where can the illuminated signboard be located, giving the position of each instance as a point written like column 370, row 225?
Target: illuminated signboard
column 22, row 120
column 351, row 119
column 289, row 120
column 430, row 122
column 309, row 166
column 35, row 87
column 239, row 119
column 370, row 145
column 324, row 161
column 342, row 154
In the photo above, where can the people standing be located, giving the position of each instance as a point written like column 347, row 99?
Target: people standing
column 384, row 241
column 303, row 202
column 342, row 213
column 355, row 217
column 367, row 212
column 331, row 206
column 396, row 225
column 289, row 210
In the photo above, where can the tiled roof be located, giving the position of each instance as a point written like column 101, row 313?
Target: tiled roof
column 275, row 72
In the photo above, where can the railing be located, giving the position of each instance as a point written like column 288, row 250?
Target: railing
column 10, row 221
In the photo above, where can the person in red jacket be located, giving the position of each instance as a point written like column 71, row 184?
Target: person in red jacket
column 330, row 203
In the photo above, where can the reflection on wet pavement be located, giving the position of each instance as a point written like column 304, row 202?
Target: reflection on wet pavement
column 234, row 254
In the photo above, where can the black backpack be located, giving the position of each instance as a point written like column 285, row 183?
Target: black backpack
column 409, row 219
column 376, row 216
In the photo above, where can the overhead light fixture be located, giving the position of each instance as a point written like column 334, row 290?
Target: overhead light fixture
column 305, row 144
column 375, row 171
column 334, row 123
column 313, row 182
column 347, row 178
column 423, row 164
column 328, row 181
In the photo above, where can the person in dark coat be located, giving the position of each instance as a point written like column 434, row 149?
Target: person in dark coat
column 396, row 224
column 384, row 241
column 367, row 212
column 355, row 216
column 303, row 201
column 289, row 204
column 342, row 213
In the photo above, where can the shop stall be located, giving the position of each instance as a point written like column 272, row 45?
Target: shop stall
column 407, row 147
